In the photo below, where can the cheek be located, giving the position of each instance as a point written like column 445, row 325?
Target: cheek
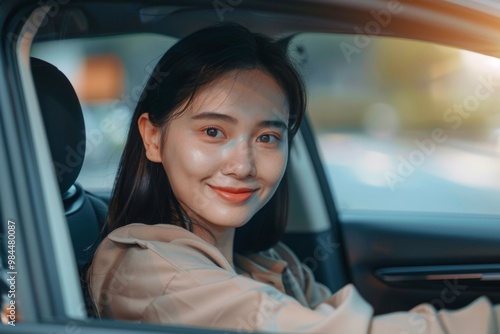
column 184, row 158
column 272, row 167
column 186, row 166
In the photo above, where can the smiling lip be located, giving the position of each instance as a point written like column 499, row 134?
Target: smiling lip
column 234, row 195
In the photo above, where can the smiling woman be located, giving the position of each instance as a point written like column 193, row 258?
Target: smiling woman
column 205, row 159
column 224, row 165
column 211, row 158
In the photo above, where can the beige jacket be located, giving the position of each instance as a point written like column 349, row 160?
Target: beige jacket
column 166, row 274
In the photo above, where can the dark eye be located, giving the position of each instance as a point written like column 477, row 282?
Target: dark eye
column 213, row 132
column 267, row 138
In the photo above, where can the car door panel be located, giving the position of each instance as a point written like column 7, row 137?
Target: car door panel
column 447, row 261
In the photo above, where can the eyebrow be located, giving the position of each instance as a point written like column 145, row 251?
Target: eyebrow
column 215, row 117
column 226, row 118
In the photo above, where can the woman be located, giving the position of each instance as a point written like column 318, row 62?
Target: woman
column 206, row 157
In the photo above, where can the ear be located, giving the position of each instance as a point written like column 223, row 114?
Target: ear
column 151, row 136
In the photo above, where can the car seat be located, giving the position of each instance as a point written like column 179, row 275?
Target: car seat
column 65, row 128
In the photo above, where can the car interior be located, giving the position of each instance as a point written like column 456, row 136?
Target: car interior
column 63, row 119
column 397, row 259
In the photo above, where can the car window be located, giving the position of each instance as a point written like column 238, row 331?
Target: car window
column 404, row 125
column 108, row 74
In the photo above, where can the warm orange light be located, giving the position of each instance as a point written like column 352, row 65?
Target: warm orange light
column 100, row 79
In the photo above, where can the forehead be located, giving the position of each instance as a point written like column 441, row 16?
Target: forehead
column 247, row 92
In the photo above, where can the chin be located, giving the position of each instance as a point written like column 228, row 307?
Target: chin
column 229, row 217
column 230, row 221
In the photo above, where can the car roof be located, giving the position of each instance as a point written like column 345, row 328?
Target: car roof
column 465, row 24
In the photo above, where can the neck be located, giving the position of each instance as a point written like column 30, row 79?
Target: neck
column 224, row 240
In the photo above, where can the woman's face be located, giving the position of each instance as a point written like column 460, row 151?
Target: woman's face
column 226, row 154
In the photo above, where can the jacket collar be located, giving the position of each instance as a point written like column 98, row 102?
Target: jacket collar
column 142, row 234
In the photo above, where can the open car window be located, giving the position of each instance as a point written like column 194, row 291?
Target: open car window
column 404, row 125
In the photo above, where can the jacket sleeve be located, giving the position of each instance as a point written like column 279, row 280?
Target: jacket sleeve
column 245, row 305
column 478, row 317
column 219, row 299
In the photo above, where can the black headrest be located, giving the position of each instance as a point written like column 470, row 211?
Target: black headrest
column 63, row 118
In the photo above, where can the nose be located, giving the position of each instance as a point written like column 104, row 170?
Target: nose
column 240, row 162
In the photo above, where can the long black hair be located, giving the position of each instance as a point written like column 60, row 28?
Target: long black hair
column 142, row 192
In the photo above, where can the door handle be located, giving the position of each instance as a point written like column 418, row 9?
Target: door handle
column 489, row 273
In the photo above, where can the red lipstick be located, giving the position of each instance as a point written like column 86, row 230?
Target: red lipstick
column 234, row 195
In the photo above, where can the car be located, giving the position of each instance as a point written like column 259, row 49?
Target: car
column 394, row 174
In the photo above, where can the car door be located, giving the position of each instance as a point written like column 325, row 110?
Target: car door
column 38, row 267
